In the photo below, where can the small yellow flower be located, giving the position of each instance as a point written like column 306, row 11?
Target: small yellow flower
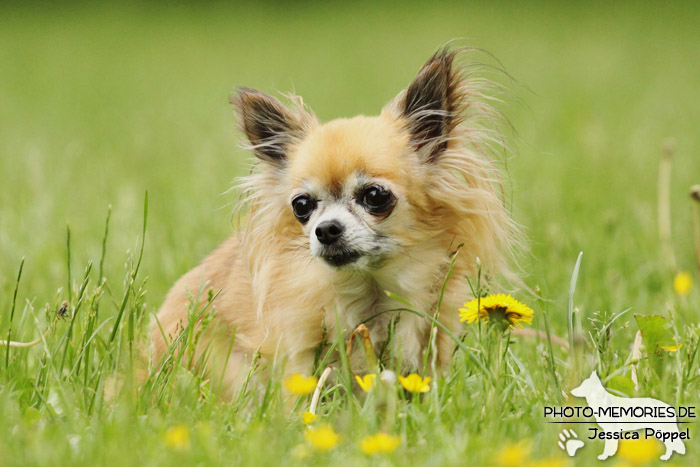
column 308, row 417
column 514, row 454
column 177, row 437
column 499, row 307
column 682, row 283
column 381, row 443
column 322, row 437
column 299, row 384
column 414, row 383
column 639, row 451
column 366, row 382
column 672, row 348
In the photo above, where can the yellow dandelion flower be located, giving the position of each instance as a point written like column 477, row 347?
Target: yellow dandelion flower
column 177, row 437
column 322, row 437
column 672, row 348
column 414, row 383
column 514, row 454
column 366, row 382
column 308, row 417
column 299, row 384
column 499, row 307
column 639, row 451
column 682, row 283
column 381, row 443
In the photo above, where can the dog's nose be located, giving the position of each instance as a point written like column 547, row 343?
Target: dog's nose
column 328, row 232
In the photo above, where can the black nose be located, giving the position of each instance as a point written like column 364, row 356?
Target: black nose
column 328, row 232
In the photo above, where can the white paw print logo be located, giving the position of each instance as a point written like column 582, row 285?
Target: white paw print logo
column 568, row 442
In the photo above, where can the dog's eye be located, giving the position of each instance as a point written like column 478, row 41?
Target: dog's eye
column 303, row 206
column 377, row 199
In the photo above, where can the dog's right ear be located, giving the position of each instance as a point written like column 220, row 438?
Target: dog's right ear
column 433, row 104
column 268, row 124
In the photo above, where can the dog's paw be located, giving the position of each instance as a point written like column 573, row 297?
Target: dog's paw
column 569, row 443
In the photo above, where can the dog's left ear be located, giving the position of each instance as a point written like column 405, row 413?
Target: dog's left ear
column 270, row 126
column 432, row 104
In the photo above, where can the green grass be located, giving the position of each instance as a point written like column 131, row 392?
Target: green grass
column 100, row 105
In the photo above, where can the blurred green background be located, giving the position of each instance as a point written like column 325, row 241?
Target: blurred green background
column 99, row 103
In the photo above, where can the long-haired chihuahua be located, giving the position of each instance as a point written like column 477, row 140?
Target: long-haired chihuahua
column 339, row 213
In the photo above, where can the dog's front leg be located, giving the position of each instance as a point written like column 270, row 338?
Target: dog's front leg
column 410, row 340
column 609, row 450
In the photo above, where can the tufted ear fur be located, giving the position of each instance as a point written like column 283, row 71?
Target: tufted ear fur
column 269, row 125
column 433, row 104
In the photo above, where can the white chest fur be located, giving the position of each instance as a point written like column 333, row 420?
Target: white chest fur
column 362, row 298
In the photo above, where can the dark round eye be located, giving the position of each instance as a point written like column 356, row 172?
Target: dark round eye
column 303, row 206
column 377, row 199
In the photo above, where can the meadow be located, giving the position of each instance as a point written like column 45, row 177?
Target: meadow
column 100, row 105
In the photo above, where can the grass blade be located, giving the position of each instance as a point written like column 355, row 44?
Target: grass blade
column 570, row 308
column 12, row 313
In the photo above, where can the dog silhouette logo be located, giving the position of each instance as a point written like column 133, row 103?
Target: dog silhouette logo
column 617, row 416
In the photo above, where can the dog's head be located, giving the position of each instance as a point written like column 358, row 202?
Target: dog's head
column 587, row 386
column 359, row 191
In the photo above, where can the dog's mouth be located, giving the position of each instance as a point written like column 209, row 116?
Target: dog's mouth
column 342, row 258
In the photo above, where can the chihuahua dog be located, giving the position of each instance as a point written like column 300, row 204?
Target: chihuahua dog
column 339, row 213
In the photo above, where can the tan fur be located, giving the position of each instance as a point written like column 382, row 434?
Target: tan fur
column 279, row 298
